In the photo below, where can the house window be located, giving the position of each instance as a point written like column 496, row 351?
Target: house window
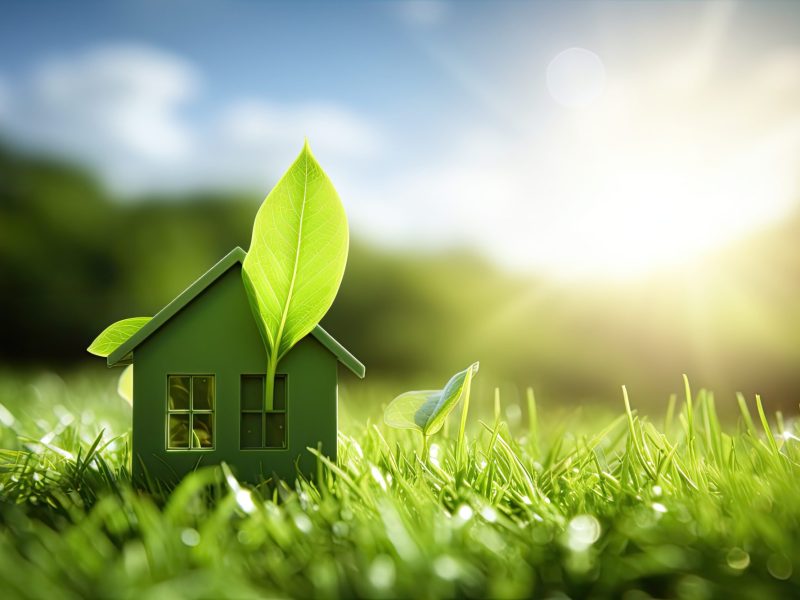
column 190, row 412
column 262, row 428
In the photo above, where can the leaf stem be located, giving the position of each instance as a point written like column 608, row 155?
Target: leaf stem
column 272, row 368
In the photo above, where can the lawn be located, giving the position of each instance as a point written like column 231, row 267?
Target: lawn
column 579, row 504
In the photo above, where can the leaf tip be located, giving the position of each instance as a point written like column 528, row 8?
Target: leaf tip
column 97, row 347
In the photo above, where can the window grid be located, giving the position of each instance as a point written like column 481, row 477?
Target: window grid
column 193, row 442
column 276, row 416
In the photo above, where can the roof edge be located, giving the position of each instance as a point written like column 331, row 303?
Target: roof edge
column 339, row 351
column 122, row 354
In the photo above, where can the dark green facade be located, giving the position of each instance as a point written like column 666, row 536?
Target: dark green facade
column 211, row 334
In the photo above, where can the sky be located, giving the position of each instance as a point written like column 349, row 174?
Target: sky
column 576, row 139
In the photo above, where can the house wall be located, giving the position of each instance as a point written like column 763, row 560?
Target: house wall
column 216, row 334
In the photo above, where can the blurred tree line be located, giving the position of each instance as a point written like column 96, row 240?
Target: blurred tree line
column 73, row 259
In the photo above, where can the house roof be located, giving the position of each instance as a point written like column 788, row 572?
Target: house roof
column 122, row 354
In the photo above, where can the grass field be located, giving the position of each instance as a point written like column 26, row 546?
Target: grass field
column 578, row 505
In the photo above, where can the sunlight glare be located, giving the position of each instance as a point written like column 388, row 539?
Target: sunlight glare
column 576, row 77
column 649, row 175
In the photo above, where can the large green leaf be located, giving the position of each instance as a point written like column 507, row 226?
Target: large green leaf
column 297, row 255
column 426, row 410
column 116, row 334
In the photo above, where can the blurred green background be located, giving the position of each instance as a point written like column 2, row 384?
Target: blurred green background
column 579, row 195
column 732, row 322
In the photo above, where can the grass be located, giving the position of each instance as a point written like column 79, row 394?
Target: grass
column 583, row 506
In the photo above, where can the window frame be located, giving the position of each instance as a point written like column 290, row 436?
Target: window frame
column 190, row 412
column 263, row 413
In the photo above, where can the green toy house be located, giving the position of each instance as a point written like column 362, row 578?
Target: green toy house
column 199, row 381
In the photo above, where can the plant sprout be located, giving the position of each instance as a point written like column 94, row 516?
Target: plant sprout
column 296, row 259
column 292, row 271
column 426, row 410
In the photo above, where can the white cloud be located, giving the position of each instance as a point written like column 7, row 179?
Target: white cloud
column 254, row 123
column 253, row 136
column 110, row 105
column 124, row 111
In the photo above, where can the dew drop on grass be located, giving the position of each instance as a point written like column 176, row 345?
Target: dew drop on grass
column 190, row 537
column 464, row 512
column 446, row 567
column 489, row 514
column 302, row 522
column 738, row 559
column 381, row 572
column 779, row 567
column 659, row 508
column 582, row 532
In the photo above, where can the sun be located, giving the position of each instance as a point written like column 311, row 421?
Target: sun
column 576, row 77
column 648, row 170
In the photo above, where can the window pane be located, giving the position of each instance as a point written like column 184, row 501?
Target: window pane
column 251, row 430
column 179, row 431
column 279, row 398
column 178, row 392
column 202, row 432
column 276, row 430
column 203, row 393
column 252, row 392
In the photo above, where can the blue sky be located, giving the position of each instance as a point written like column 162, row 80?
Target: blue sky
column 441, row 123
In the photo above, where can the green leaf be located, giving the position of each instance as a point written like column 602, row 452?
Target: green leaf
column 115, row 335
column 409, row 410
column 297, row 255
column 426, row 410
